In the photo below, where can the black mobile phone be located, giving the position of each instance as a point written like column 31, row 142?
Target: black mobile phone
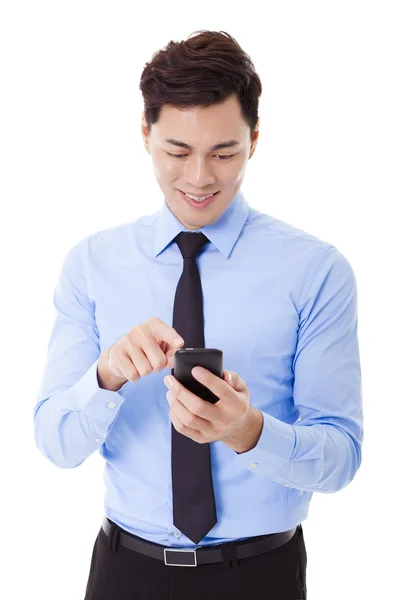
column 186, row 359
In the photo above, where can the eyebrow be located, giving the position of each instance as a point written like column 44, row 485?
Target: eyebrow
column 227, row 144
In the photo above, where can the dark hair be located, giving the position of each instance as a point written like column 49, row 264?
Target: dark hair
column 200, row 71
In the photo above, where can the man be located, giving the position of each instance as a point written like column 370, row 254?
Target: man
column 281, row 305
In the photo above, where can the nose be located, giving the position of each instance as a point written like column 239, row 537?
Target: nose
column 199, row 173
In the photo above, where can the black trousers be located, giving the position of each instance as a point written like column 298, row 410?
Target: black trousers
column 118, row 573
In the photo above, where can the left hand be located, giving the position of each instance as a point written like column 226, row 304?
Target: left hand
column 202, row 421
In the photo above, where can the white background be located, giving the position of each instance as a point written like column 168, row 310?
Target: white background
column 73, row 162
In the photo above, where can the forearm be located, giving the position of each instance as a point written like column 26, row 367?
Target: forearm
column 325, row 459
column 72, row 424
column 319, row 457
column 63, row 436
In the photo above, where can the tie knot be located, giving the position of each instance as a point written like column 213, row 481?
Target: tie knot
column 190, row 243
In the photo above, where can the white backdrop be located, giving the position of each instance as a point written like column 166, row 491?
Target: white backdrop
column 73, row 162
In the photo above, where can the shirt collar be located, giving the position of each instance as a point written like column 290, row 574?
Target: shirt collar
column 223, row 233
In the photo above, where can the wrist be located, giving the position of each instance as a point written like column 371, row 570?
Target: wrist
column 106, row 379
column 247, row 438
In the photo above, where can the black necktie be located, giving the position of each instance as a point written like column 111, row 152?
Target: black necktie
column 194, row 512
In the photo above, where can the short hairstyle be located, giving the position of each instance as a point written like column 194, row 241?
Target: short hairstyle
column 200, row 71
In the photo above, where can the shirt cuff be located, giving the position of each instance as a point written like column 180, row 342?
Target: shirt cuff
column 274, row 448
column 97, row 403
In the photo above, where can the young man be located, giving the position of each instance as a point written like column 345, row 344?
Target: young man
column 219, row 487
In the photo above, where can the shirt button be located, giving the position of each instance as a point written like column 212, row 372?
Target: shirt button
column 254, row 466
column 98, row 440
column 111, row 405
column 177, row 534
column 286, row 484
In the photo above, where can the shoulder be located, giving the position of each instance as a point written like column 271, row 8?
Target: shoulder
column 292, row 241
column 116, row 240
column 305, row 256
column 276, row 229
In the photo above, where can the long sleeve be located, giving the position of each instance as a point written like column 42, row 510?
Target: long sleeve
column 73, row 415
column 322, row 451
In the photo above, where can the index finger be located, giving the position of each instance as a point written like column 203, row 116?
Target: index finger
column 165, row 333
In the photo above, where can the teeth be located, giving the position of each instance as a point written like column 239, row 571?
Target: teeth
column 198, row 198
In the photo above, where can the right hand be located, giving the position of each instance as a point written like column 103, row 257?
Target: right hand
column 145, row 348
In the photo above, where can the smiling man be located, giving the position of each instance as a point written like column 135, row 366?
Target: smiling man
column 224, row 487
column 189, row 164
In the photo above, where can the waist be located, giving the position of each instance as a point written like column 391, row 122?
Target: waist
column 243, row 516
column 192, row 557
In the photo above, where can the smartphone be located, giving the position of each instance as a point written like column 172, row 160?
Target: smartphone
column 186, row 359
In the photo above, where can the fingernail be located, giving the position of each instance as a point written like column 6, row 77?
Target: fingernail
column 178, row 341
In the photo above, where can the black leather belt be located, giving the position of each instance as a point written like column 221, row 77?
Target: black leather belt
column 191, row 557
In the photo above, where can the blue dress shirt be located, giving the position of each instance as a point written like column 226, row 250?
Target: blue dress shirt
column 282, row 306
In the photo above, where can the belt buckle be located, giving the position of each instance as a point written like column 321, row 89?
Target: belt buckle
column 175, row 564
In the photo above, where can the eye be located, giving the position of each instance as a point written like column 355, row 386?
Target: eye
column 223, row 157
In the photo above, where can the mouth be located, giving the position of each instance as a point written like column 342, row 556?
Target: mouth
column 198, row 205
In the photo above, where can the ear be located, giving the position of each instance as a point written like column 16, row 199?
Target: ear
column 254, row 139
column 145, row 133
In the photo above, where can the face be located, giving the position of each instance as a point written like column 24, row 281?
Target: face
column 195, row 167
